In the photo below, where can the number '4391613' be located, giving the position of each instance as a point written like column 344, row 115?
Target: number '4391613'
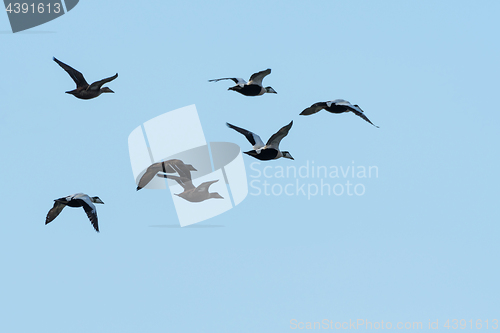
column 33, row 8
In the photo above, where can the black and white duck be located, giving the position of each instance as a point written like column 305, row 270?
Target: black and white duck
column 336, row 106
column 269, row 151
column 253, row 87
column 76, row 200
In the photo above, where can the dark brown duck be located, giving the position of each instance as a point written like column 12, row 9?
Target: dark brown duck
column 83, row 89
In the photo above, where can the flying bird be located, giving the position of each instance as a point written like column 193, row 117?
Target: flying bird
column 76, row 200
column 253, row 87
column 192, row 193
column 170, row 166
column 83, row 89
column 336, row 106
column 269, row 151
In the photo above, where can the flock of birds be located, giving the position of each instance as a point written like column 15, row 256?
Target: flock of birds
column 191, row 193
column 270, row 150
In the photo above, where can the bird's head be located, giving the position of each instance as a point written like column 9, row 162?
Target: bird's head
column 270, row 90
column 96, row 200
column 106, row 90
column 287, row 155
column 215, row 195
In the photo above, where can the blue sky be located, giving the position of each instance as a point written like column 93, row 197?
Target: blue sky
column 420, row 244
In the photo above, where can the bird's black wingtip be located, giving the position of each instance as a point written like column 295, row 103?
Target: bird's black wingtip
column 138, row 188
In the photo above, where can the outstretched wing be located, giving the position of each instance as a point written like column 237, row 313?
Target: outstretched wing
column 151, row 171
column 316, row 107
column 54, row 211
column 98, row 84
column 90, row 209
column 253, row 138
column 239, row 81
column 274, row 141
column 258, row 77
column 358, row 112
column 75, row 75
column 353, row 108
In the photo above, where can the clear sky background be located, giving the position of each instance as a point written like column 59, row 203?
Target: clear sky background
column 421, row 244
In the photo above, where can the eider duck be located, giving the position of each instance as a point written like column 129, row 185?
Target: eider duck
column 83, row 89
column 336, row 106
column 269, row 151
column 170, row 166
column 76, row 200
column 191, row 193
column 251, row 88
